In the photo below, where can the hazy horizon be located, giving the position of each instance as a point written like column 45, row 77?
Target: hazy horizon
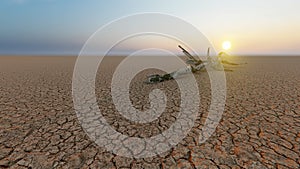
column 54, row 27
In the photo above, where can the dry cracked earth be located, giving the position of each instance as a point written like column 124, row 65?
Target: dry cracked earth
column 260, row 126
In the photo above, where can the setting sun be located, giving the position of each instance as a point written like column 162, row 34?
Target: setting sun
column 226, row 45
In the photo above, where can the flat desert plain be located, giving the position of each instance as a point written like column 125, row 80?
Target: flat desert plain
column 260, row 126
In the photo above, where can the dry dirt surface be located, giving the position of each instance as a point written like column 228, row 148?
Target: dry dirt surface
column 260, row 127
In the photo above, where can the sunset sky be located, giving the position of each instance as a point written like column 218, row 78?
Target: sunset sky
column 61, row 27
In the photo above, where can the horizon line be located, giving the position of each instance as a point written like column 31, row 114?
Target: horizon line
column 110, row 55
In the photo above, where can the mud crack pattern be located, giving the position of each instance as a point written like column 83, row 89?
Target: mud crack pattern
column 259, row 128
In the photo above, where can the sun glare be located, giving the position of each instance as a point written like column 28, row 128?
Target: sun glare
column 226, row 45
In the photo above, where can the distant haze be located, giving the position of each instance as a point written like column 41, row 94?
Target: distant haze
column 61, row 27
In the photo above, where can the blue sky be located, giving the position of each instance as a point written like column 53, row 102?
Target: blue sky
column 269, row 27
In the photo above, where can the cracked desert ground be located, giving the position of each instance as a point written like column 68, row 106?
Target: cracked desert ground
column 260, row 127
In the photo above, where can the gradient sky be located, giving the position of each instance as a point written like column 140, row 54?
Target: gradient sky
column 269, row 27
